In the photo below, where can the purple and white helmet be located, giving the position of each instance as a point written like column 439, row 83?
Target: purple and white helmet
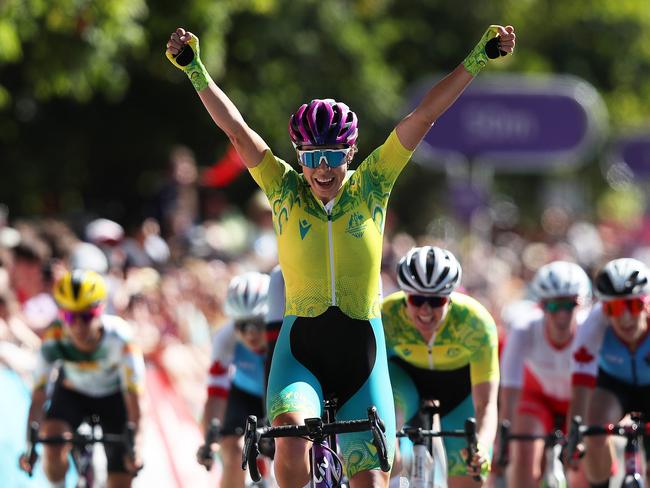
column 323, row 123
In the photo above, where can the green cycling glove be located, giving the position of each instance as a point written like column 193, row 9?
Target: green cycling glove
column 188, row 60
column 486, row 49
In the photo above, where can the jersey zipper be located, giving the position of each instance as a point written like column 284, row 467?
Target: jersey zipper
column 430, row 350
column 331, row 248
column 633, row 364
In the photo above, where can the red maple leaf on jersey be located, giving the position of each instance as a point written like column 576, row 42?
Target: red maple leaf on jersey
column 583, row 356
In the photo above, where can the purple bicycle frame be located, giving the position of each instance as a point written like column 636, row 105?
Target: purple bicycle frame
column 326, row 473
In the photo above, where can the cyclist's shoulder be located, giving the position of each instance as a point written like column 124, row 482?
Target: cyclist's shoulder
column 393, row 302
column 465, row 308
column 391, row 150
column 225, row 337
column 393, row 309
column 117, row 329
column 53, row 332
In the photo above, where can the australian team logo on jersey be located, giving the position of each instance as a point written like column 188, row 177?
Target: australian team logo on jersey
column 356, row 225
column 304, row 227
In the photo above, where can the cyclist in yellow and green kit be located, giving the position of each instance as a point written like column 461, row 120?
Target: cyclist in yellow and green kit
column 442, row 345
column 329, row 223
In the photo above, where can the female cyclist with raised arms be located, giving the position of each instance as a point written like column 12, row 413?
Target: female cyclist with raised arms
column 442, row 345
column 535, row 386
column 329, row 223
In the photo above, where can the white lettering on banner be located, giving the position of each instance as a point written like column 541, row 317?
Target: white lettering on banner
column 495, row 122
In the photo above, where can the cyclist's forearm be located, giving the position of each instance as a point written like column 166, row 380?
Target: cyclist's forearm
column 249, row 145
column 485, row 407
column 438, row 99
column 36, row 408
column 486, row 422
column 579, row 401
column 215, row 407
column 133, row 403
column 508, row 399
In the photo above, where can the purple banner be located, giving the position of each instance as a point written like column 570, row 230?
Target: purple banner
column 518, row 123
column 634, row 151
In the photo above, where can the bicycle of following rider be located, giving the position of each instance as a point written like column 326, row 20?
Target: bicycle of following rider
column 633, row 433
column 83, row 441
column 553, row 475
column 206, row 455
column 326, row 468
column 429, row 466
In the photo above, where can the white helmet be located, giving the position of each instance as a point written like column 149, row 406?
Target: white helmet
column 560, row 279
column 246, row 297
column 428, row 270
column 622, row 278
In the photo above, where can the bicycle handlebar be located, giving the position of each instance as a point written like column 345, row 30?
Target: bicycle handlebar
column 126, row 439
column 313, row 429
column 555, row 437
column 472, row 443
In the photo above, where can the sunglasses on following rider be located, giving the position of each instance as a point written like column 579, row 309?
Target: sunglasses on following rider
column 616, row 308
column 332, row 157
column 554, row 306
column 434, row 302
column 245, row 326
column 86, row 316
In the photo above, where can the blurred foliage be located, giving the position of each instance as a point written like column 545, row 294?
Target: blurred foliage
column 89, row 106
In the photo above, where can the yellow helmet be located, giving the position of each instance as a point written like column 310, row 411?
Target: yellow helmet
column 79, row 290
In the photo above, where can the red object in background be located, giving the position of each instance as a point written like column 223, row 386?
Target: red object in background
column 224, row 171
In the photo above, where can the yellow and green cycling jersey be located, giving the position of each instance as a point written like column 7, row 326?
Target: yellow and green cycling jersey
column 468, row 335
column 332, row 256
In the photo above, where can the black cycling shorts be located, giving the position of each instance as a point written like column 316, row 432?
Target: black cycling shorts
column 240, row 405
column 73, row 408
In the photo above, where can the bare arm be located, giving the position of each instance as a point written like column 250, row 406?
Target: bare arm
column 215, row 407
column 247, row 142
column 442, row 95
column 36, row 408
column 484, row 396
column 508, row 398
column 580, row 396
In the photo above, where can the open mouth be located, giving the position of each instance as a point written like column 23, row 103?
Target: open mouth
column 323, row 182
column 425, row 319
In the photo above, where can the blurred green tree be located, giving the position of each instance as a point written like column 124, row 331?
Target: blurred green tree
column 89, row 106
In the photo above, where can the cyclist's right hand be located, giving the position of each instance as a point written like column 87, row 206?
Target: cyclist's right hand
column 25, row 464
column 183, row 49
column 205, row 455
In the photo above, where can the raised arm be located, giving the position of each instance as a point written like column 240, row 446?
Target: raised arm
column 183, row 52
column 497, row 41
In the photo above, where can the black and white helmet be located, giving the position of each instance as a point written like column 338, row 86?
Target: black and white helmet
column 428, row 270
column 246, row 297
column 560, row 279
column 622, row 278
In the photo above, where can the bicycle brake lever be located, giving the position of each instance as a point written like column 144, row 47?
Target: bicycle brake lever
column 251, row 449
column 377, row 429
column 472, row 443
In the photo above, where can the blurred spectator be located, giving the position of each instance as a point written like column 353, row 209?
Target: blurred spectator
column 30, row 277
column 145, row 247
column 177, row 202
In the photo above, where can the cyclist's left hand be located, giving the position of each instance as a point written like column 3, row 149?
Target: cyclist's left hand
column 133, row 464
column 480, row 463
column 507, row 38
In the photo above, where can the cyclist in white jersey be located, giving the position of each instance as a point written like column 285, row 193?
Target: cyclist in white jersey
column 236, row 380
column 610, row 368
column 96, row 369
column 535, row 386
